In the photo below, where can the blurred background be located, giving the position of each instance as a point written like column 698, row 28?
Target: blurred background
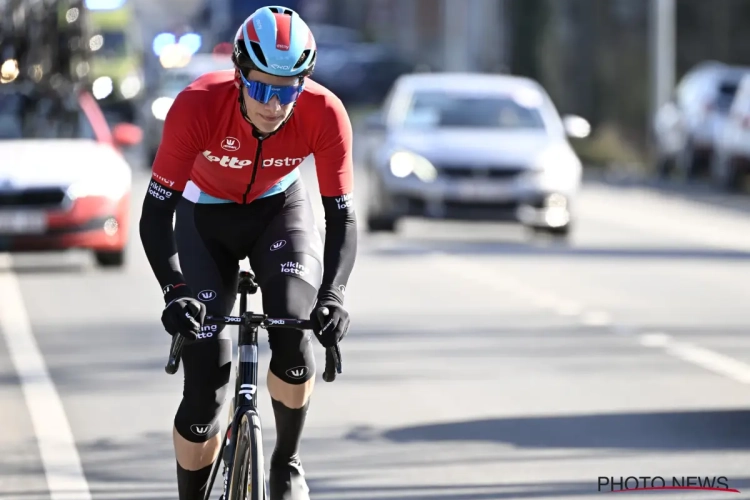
column 553, row 204
column 583, row 52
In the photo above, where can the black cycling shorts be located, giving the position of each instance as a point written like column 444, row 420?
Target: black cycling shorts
column 279, row 236
column 277, row 233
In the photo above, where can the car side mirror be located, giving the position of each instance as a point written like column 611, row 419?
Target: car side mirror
column 127, row 134
column 576, row 127
column 375, row 122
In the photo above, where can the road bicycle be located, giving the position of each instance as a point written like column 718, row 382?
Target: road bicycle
column 241, row 453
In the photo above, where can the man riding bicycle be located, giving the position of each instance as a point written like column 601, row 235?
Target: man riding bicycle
column 228, row 166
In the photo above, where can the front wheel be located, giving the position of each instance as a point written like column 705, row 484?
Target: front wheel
column 247, row 476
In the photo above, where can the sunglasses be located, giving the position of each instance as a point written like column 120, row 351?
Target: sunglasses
column 263, row 92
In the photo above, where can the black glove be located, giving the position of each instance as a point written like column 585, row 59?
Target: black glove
column 184, row 315
column 330, row 328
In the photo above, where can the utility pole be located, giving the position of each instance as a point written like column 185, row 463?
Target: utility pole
column 662, row 23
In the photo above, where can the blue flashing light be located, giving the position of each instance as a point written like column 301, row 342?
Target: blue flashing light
column 161, row 41
column 191, row 41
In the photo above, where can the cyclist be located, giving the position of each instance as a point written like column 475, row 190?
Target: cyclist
column 230, row 174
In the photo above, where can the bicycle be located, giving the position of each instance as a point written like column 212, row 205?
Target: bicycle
column 241, row 451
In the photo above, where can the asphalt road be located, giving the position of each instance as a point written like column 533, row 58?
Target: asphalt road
column 481, row 365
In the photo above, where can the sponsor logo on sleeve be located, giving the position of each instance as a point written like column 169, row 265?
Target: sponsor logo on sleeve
column 158, row 191
column 345, row 201
column 163, row 180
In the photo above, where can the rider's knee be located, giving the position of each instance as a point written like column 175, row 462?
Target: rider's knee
column 206, row 383
column 292, row 356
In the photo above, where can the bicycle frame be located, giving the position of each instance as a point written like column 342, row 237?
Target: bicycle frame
column 246, row 380
column 246, row 370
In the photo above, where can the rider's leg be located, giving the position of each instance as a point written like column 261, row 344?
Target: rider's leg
column 287, row 260
column 291, row 374
column 196, row 425
column 211, row 268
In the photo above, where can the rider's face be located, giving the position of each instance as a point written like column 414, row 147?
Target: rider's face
column 269, row 116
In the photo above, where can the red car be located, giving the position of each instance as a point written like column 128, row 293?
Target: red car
column 64, row 183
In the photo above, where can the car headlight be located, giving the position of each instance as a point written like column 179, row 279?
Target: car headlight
column 112, row 188
column 558, row 166
column 160, row 107
column 405, row 163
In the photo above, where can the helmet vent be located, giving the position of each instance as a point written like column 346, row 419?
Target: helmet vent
column 302, row 58
column 258, row 53
column 281, row 10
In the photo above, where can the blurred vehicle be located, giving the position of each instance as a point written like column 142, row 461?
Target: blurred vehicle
column 63, row 183
column 472, row 146
column 171, row 82
column 686, row 129
column 732, row 158
column 117, row 57
column 356, row 71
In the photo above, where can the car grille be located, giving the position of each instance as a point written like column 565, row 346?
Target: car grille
column 479, row 172
column 35, row 197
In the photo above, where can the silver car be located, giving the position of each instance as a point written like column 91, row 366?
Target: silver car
column 471, row 146
column 687, row 129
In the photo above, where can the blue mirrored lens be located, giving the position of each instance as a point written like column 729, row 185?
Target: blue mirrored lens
column 263, row 92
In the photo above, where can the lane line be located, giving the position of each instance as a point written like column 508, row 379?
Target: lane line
column 707, row 359
column 62, row 464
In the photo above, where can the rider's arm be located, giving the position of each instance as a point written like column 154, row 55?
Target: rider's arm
column 181, row 140
column 335, row 171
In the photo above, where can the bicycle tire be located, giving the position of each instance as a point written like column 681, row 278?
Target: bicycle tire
column 247, row 476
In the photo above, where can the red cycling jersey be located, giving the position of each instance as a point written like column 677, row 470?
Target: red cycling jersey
column 207, row 141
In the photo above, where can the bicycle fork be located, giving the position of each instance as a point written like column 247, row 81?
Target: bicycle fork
column 244, row 399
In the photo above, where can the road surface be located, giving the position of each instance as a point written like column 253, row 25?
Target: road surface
column 480, row 365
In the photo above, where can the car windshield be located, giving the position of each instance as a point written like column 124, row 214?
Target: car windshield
column 24, row 116
column 725, row 95
column 450, row 109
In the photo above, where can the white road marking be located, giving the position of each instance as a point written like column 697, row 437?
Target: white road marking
column 62, row 464
column 710, row 360
column 543, row 299
column 596, row 318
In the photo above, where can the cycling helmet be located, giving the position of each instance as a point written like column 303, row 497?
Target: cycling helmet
column 275, row 40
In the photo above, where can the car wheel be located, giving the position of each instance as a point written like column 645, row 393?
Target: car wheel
column 691, row 166
column 110, row 259
column 664, row 168
column 377, row 220
column 728, row 177
column 379, row 223
column 561, row 234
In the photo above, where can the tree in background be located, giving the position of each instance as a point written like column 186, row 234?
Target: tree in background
column 593, row 56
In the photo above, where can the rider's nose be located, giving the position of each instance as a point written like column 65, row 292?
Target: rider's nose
column 274, row 105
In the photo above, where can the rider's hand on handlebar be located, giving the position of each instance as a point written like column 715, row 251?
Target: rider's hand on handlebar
column 332, row 325
column 184, row 315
